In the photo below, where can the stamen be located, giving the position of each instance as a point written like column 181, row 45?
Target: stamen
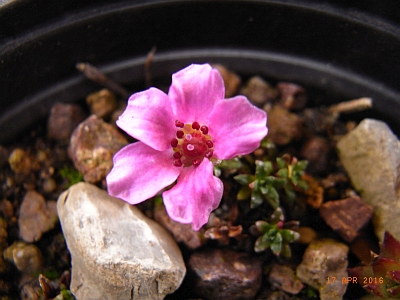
column 179, row 124
column 177, row 163
column 204, row 129
column 196, row 162
column 191, row 145
column 177, row 155
column 180, row 134
column 174, row 142
column 196, row 125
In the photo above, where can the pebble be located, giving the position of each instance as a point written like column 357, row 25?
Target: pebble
column 3, row 243
column 183, row 233
column 346, row 217
column 26, row 257
column 92, row 147
column 258, row 91
column 282, row 277
column 232, row 81
column 316, row 151
column 371, row 156
column 307, row 234
column 102, row 103
column 283, row 126
column 225, row 274
column 63, row 119
column 20, row 161
column 325, row 258
column 116, row 251
column 36, row 216
column 291, row 95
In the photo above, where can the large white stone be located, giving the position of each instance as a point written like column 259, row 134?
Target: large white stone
column 371, row 155
column 116, row 251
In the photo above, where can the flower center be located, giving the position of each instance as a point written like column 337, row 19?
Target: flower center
column 191, row 144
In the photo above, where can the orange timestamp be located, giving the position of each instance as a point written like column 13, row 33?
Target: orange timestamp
column 364, row 280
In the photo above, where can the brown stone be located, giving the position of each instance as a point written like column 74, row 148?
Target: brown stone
column 282, row 277
column 225, row 274
column 102, row 103
column 259, row 91
column 182, row 233
column 232, row 81
column 63, row 119
column 283, row 126
column 292, row 96
column 92, row 147
column 347, row 216
column 36, row 216
column 316, row 151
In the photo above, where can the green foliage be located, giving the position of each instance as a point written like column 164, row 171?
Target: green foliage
column 265, row 184
column 274, row 235
column 229, row 164
column 71, row 175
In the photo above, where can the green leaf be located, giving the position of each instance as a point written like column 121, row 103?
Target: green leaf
column 273, row 198
column 228, row 164
column 281, row 163
column 278, row 183
column 244, row 193
column 261, row 245
column 290, row 194
column 288, row 235
column 277, row 216
column 276, row 245
column 300, row 166
column 263, row 169
column 256, row 199
column 286, row 251
column 244, row 179
column 262, row 226
column 302, row 184
column 283, row 173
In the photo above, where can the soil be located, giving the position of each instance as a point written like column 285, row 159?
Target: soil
column 297, row 129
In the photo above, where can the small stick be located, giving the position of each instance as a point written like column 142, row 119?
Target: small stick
column 97, row 76
column 351, row 106
column 147, row 66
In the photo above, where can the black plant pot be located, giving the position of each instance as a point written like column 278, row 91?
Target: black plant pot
column 338, row 50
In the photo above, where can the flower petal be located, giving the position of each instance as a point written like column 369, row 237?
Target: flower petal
column 194, row 92
column 197, row 193
column 148, row 117
column 237, row 127
column 140, row 172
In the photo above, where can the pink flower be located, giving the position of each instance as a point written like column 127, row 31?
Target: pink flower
column 180, row 135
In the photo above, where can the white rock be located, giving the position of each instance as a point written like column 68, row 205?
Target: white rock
column 371, row 155
column 116, row 251
column 324, row 265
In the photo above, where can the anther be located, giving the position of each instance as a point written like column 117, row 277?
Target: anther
column 204, row 129
column 209, row 144
column 180, row 134
column 177, row 163
column 196, row 162
column 196, row 125
column 179, row 124
column 209, row 153
column 177, row 155
column 174, row 142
